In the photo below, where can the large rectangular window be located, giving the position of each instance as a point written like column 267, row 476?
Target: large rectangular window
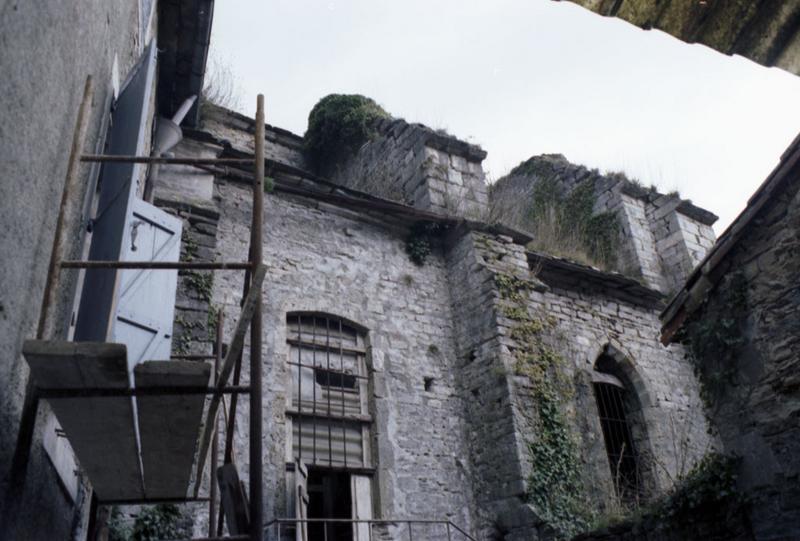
column 329, row 409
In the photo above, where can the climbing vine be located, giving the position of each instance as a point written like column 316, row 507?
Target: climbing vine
column 555, row 488
column 715, row 337
column 201, row 282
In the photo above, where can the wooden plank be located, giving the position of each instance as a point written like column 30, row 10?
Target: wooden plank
column 169, row 425
column 234, row 349
column 100, row 429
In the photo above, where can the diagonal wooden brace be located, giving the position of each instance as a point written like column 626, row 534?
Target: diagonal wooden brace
column 237, row 343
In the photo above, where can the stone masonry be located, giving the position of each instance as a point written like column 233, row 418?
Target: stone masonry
column 756, row 411
column 423, row 168
column 662, row 237
column 451, row 426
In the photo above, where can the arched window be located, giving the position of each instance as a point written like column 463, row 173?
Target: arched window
column 618, row 409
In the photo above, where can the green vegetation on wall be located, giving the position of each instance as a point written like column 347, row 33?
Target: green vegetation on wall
column 710, row 483
column 714, row 337
column 554, row 485
column 419, row 241
column 707, row 492
column 151, row 524
column 338, row 125
column 564, row 224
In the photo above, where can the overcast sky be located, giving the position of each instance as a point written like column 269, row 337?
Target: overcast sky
column 524, row 77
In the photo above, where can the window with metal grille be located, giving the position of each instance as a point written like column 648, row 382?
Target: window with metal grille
column 612, row 406
column 329, row 411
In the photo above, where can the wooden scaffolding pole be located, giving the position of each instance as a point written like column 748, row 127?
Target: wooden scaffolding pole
column 257, row 256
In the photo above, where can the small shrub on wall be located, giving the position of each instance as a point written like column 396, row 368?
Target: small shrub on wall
column 338, row 125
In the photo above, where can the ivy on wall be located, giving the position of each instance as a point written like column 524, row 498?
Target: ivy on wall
column 555, row 487
column 714, row 337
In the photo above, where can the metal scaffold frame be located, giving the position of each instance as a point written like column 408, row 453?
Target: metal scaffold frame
column 224, row 367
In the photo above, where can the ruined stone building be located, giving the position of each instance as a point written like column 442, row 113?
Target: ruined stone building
column 435, row 359
column 438, row 419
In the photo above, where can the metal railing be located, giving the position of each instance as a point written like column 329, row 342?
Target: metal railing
column 365, row 529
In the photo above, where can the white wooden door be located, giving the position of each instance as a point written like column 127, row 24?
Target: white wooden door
column 145, row 307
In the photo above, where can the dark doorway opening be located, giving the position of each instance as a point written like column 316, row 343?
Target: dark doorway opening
column 329, row 496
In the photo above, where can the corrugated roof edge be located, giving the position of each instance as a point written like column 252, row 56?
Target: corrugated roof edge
column 707, row 274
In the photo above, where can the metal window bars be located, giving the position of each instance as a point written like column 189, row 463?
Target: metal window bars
column 328, row 401
column 620, row 448
column 250, row 314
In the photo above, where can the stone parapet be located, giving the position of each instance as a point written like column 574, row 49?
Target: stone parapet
column 416, row 165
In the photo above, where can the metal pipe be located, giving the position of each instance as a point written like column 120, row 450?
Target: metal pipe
column 228, row 538
column 166, row 390
column 372, row 522
column 152, row 501
column 158, row 265
column 30, row 405
column 256, row 424
column 160, row 159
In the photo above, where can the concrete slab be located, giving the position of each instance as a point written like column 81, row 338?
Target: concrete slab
column 169, row 425
column 100, row 429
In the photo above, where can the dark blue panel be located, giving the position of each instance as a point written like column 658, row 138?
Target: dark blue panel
column 117, row 189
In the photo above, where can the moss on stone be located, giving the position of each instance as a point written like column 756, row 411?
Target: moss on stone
column 338, row 125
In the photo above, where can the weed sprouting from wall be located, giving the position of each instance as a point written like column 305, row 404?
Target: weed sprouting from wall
column 708, row 489
column 338, row 125
column 419, row 241
column 564, row 224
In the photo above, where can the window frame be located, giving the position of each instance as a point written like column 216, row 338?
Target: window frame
column 342, row 338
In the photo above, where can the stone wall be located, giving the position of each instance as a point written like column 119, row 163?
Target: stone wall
column 495, row 438
column 592, row 319
column 587, row 318
column 48, row 49
column 756, row 407
column 452, row 414
column 661, row 236
column 413, row 164
column 323, row 259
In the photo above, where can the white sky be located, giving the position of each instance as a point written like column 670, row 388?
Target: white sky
column 524, row 77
